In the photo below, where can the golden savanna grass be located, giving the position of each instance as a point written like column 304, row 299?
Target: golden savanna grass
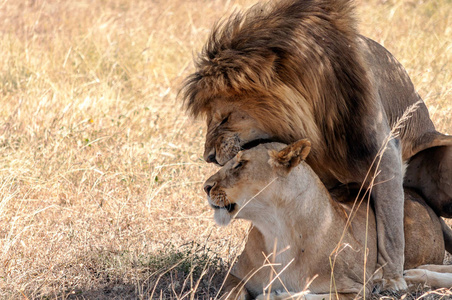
column 100, row 169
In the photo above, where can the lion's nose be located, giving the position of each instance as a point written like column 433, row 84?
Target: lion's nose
column 210, row 157
column 207, row 189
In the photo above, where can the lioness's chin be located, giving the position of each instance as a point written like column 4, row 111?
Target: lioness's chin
column 222, row 217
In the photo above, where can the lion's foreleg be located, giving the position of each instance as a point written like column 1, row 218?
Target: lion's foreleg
column 388, row 199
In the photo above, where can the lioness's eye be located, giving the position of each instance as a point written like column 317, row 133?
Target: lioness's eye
column 238, row 165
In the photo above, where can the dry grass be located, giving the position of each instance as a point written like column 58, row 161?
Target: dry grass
column 100, row 169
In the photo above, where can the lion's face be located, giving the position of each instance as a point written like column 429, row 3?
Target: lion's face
column 230, row 129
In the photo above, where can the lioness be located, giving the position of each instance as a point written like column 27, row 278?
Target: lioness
column 292, row 69
column 305, row 233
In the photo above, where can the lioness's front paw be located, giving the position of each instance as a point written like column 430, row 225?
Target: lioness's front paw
column 276, row 295
column 234, row 295
column 390, row 284
column 416, row 276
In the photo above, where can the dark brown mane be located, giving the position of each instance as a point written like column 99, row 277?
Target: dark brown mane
column 292, row 53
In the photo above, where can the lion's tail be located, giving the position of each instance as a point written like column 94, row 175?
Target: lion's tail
column 447, row 234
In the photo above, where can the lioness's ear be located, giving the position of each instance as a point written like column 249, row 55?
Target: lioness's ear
column 290, row 156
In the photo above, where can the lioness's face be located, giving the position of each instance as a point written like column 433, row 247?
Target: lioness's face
column 245, row 184
column 237, row 184
column 230, row 129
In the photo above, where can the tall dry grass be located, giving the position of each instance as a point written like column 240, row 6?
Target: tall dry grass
column 101, row 170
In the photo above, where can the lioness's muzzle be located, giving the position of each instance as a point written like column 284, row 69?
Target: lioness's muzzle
column 229, row 207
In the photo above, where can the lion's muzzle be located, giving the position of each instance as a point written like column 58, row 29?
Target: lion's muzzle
column 210, row 157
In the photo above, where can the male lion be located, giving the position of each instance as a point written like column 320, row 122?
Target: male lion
column 305, row 232
column 298, row 68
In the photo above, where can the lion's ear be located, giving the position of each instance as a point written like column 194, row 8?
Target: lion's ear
column 290, row 156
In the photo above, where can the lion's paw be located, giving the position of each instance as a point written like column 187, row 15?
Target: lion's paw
column 391, row 284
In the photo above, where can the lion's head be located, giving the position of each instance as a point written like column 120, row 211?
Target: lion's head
column 247, row 180
column 281, row 72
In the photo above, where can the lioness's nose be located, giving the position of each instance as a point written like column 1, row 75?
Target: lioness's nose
column 207, row 188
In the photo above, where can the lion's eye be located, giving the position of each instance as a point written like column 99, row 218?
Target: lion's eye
column 224, row 120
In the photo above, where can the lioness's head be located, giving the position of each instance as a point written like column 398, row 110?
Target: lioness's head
column 239, row 188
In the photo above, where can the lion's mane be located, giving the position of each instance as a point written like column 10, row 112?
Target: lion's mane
column 296, row 66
